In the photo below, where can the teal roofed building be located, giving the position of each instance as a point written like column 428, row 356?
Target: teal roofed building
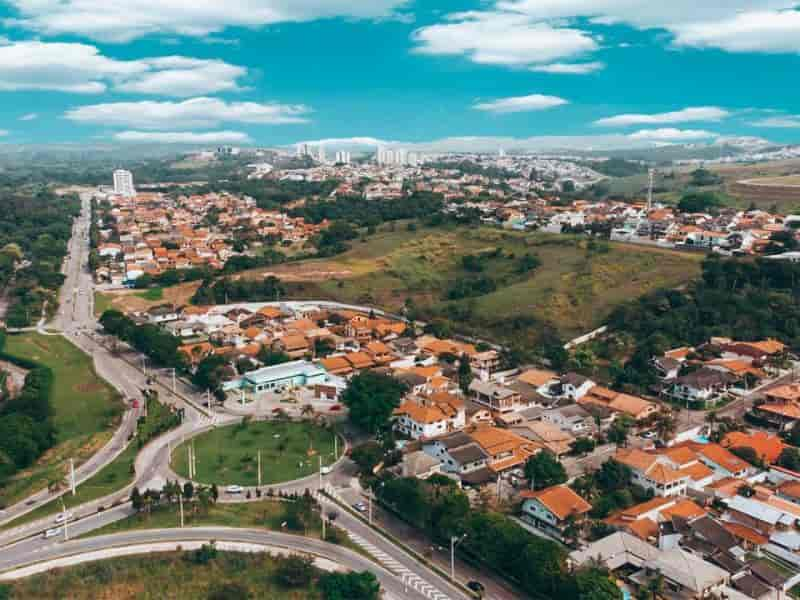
column 294, row 374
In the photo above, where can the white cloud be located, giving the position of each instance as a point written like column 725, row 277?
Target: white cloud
column 779, row 122
column 670, row 134
column 196, row 113
column 520, row 104
column 584, row 68
column 734, row 25
column 502, row 38
column 687, row 115
column 180, row 76
column 125, row 20
column 350, row 141
column 81, row 68
column 184, row 137
column 29, row 117
column 762, row 31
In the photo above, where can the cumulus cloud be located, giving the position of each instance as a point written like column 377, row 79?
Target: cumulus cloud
column 195, row 113
column 29, row 117
column 349, row 141
column 761, row 31
column 183, row 137
column 520, row 104
column 502, row 38
column 584, row 68
column 670, row 134
column 687, row 115
column 733, row 25
column 125, row 20
column 779, row 122
column 83, row 69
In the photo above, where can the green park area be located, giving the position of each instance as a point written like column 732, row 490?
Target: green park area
column 86, row 410
column 202, row 574
column 229, row 455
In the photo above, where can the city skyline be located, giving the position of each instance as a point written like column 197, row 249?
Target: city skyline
column 393, row 72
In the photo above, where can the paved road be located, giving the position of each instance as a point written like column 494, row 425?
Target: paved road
column 76, row 320
column 392, row 584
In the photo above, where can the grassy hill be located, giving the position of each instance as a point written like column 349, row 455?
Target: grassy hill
column 576, row 286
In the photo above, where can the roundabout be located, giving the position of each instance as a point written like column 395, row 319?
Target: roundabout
column 254, row 453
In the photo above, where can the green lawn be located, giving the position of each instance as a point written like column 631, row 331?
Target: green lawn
column 166, row 575
column 268, row 514
column 228, row 455
column 152, row 294
column 114, row 476
column 86, row 410
column 102, row 302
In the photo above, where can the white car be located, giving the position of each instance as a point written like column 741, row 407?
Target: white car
column 63, row 517
column 51, row 533
column 325, row 470
column 234, row 489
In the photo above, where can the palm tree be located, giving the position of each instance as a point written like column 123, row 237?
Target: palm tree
column 665, row 426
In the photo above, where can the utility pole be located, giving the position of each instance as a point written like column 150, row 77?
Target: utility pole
column 194, row 461
column 369, row 498
column 320, row 471
column 66, row 520
column 189, row 459
column 180, row 500
column 144, row 365
column 259, row 468
column 335, row 446
column 174, row 383
column 454, row 541
column 72, row 474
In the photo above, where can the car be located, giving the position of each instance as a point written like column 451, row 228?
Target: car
column 234, row 489
column 476, row 586
column 63, row 517
column 360, row 507
column 51, row 533
column 649, row 435
column 325, row 470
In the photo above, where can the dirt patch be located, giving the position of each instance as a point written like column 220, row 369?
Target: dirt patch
column 128, row 301
column 298, row 275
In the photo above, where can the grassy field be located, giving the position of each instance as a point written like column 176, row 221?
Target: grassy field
column 131, row 300
column 168, row 575
column 573, row 291
column 228, row 455
column 102, row 302
column 114, row 476
column 269, row 514
column 86, row 410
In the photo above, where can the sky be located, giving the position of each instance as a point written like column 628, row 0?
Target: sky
column 453, row 74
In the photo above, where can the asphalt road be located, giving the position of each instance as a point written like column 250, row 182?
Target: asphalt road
column 393, row 585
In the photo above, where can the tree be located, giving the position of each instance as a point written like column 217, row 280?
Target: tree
column 464, row 373
column 790, row 459
column 613, row 476
column 367, row 456
column 544, row 470
column 231, row 590
column 793, row 436
column 665, row 425
column 618, row 432
column 371, row 398
column 595, row 584
column 748, row 454
column 698, row 202
column 349, row 586
column 295, row 570
column 137, row 503
column 582, row 446
column 188, row 490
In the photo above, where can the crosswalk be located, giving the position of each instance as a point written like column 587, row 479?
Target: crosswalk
column 406, row 575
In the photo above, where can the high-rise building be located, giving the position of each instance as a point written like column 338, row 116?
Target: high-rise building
column 123, row 183
column 321, row 153
column 342, row 157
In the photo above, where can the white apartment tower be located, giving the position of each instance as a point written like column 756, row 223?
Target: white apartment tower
column 123, row 183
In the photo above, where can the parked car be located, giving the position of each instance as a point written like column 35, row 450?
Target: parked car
column 325, row 470
column 234, row 489
column 476, row 586
column 360, row 507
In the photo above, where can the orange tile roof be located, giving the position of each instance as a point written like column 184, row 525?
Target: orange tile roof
column 790, row 488
column 767, row 446
column 536, row 377
column 635, row 511
column 746, row 533
column 790, row 411
column 724, row 458
column 684, row 508
column 696, row 472
column 270, row 312
column 336, row 364
column 419, row 413
column 559, row 500
column 359, row 360
column 680, row 455
column 789, row 392
column 635, row 458
column 294, row 342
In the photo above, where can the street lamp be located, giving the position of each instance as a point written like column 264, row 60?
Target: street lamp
column 454, row 541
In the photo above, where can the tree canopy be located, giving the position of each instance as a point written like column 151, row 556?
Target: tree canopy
column 371, row 398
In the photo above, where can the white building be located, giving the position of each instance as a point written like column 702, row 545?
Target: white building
column 123, row 183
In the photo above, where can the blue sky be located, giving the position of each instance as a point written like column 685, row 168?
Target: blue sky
column 596, row 73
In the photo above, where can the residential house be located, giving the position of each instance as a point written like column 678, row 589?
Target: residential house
column 703, row 387
column 768, row 447
column 422, row 417
column 295, row 346
column 652, row 472
column 553, row 509
column 572, row 418
column 495, row 397
column 781, row 406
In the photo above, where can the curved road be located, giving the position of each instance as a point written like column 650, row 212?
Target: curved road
column 393, row 585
